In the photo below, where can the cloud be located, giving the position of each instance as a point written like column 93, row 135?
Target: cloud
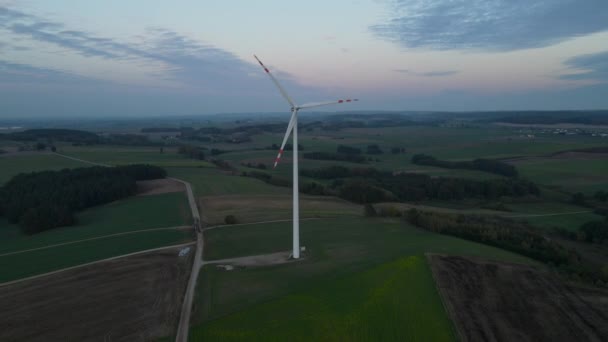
column 495, row 25
column 192, row 76
column 86, row 44
column 595, row 67
column 441, row 73
column 185, row 61
column 17, row 73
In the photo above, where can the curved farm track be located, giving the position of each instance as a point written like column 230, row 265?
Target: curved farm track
column 136, row 298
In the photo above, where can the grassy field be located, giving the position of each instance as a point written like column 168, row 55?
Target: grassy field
column 546, row 214
column 135, row 213
column 15, row 164
column 384, row 238
column 571, row 175
column 447, row 143
column 344, row 248
column 380, row 307
column 120, row 155
column 335, row 248
column 27, row 264
column 257, row 208
column 210, row 182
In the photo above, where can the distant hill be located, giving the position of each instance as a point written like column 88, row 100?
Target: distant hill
column 550, row 118
column 55, row 134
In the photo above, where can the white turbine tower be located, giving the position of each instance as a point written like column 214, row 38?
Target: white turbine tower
column 293, row 125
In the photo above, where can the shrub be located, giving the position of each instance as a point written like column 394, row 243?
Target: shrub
column 389, row 211
column 230, row 219
column 369, row 210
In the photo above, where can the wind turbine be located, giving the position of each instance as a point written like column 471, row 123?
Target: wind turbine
column 293, row 125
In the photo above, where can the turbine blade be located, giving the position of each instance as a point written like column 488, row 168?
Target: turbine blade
column 287, row 133
column 319, row 104
column 276, row 83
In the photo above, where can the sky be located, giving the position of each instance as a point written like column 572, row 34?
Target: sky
column 111, row 58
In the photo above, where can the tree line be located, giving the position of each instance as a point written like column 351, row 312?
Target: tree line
column 78, row 137
column 44, row 200
column 345, row 153
column 485, row 165
column 58, row 134
column 370, row 185
column 365, row 185
column 510, row 235
column 352, row 158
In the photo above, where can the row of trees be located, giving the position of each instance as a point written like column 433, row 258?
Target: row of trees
column 594, row 232
column 191, row 151
column 39, row 201
column 510, row 235
column 601, row 195
column 287, row 147
column 78, row 137
column 54, row 134
column 485, row 165
column 265, row 177
column 591, row 232
column 352, row 158
column 363, row 185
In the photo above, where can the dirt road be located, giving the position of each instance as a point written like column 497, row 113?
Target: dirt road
column 184, row 320
column 82, row 160
column 256, row 260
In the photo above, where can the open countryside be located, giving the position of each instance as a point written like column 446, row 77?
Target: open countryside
column 358, row 171
column 371, row 241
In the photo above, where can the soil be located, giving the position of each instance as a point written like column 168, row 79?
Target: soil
column 135, row 298
column 158, row 186
column 256, row 260
column 492, row 301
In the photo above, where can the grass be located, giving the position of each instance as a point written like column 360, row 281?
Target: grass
column 572, row 175
column 135, row 213
column 15, row 164
column 570, row 222
column 335, row 248
column 257, row 208
column 374, row 305
column 385, row 238
column 23, row 265
column 210, row 182
column 567, row 221
column 120, row 155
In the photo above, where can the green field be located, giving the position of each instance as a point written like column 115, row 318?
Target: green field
column 13, row 165
column 362, row 279
column 373, row 305
column 209, row 182
column 119, row 155
column 380, row 238
column 571, row 175
column 564, row 220
column 344, row 248
column 259, row 208
column 132, row 214
column 135, row 213
column 27, row 264
column 442, row 142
